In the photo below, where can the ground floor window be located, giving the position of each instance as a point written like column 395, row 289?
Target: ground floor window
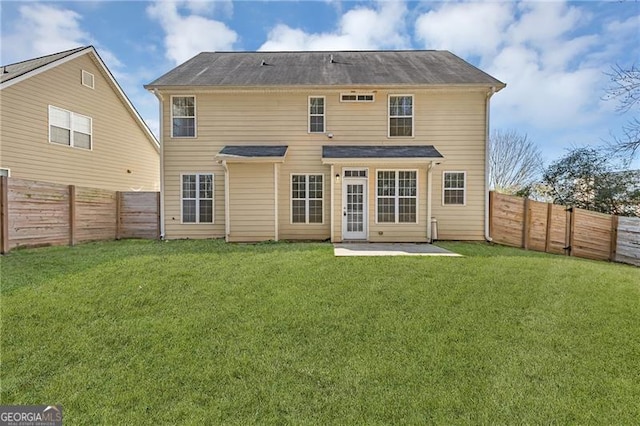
column 306, row 198
column 454, row 188
column 397, row 196
column 197, row 198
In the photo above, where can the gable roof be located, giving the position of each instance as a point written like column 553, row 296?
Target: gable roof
column 20, row 71
column 338, row 68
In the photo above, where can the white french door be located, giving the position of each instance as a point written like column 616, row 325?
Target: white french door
column 354, row 209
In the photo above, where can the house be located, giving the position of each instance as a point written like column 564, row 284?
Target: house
column 65, row 119
column 346, row 145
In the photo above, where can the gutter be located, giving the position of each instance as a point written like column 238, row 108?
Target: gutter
column 160, row 113
column 487, row 237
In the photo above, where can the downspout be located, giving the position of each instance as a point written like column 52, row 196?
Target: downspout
column 486, row 167
column 227, row 225
column 429, row 194
column 331, row 179
column 275, row 204
column 161, row 133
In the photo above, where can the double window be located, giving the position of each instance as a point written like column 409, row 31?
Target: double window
column 69, row 128
column 454, row 188
column 396, row 196
column 183, row 116
column 400, row 115
column 316, row 114
column 306, row 198
column 197, row 198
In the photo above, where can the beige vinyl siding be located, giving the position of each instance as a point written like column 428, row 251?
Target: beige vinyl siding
column 118, row 142
column 451, row 120
column 251, row 202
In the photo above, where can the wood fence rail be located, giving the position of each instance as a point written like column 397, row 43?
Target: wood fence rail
column 39, row 214
column 521, row 222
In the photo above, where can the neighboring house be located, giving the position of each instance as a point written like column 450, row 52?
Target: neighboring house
column 361, row 145
column 64, row 119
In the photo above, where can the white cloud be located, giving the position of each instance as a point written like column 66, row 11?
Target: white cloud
column 186, row 36
column 533, row 47
column 465, row 28
column 42, row 30
column 359, row 28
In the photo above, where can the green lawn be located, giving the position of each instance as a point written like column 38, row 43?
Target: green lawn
column 203, row 332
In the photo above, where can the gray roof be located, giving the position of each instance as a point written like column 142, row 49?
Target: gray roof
column 351, row 68
column 12, row 71
column 249, row 151
column 380, row 151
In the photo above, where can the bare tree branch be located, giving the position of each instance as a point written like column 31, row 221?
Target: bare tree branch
column 625, row 87
column 515, row 162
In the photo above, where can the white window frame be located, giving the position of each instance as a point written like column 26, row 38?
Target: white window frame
column 397, row 197
column 373, row 97
column 306, row 198
column 413, row 115
column 71, row 129
column 195, row 116
column 464, row 189
column 197, row 198
column 83, row 79
column 7, row 170
column 324, row 115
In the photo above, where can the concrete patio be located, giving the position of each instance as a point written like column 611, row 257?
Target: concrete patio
column 390, row 249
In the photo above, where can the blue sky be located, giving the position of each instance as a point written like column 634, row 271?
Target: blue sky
column 552, row 54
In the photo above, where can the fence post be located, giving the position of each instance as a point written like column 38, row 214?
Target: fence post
column 614, row 238
column 525, row 225
column 158, row 215
column 72, row 215
column 118, row 211
column 547, row 238
column 4, row 214
column 570, row 230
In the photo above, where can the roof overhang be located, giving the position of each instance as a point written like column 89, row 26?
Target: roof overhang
column 253, row 153
column 361, row 154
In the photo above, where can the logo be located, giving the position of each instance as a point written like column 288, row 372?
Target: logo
column 30, row 415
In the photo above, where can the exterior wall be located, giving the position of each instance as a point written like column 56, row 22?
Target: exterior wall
column 119, row 144
column 451, row 120
column 251, row 202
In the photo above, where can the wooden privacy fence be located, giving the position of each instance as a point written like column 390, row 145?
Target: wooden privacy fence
column 521, row 222
column 38, row 214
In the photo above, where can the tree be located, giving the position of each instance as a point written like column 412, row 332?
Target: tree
column 515, row 162
column 584, row 178
column 625, row 88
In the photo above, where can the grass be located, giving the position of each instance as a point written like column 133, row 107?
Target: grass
column 193, row 332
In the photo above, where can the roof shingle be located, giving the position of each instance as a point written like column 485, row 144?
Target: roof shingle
column 353, row 68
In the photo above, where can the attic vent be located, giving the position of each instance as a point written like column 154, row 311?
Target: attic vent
column 357, row 97
column 87, row 79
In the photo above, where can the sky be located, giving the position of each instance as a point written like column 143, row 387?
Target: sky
column 553, row 55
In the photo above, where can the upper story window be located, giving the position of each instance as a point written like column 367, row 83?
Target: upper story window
column 88, row 79
column 316, row 114
column 454, row 188
column 357, row 97
column 183, row 116
column 400, row 116
column 69, row 128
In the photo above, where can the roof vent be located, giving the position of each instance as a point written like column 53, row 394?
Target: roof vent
column 4, row 70
column 263, row 63
column 331, row 60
